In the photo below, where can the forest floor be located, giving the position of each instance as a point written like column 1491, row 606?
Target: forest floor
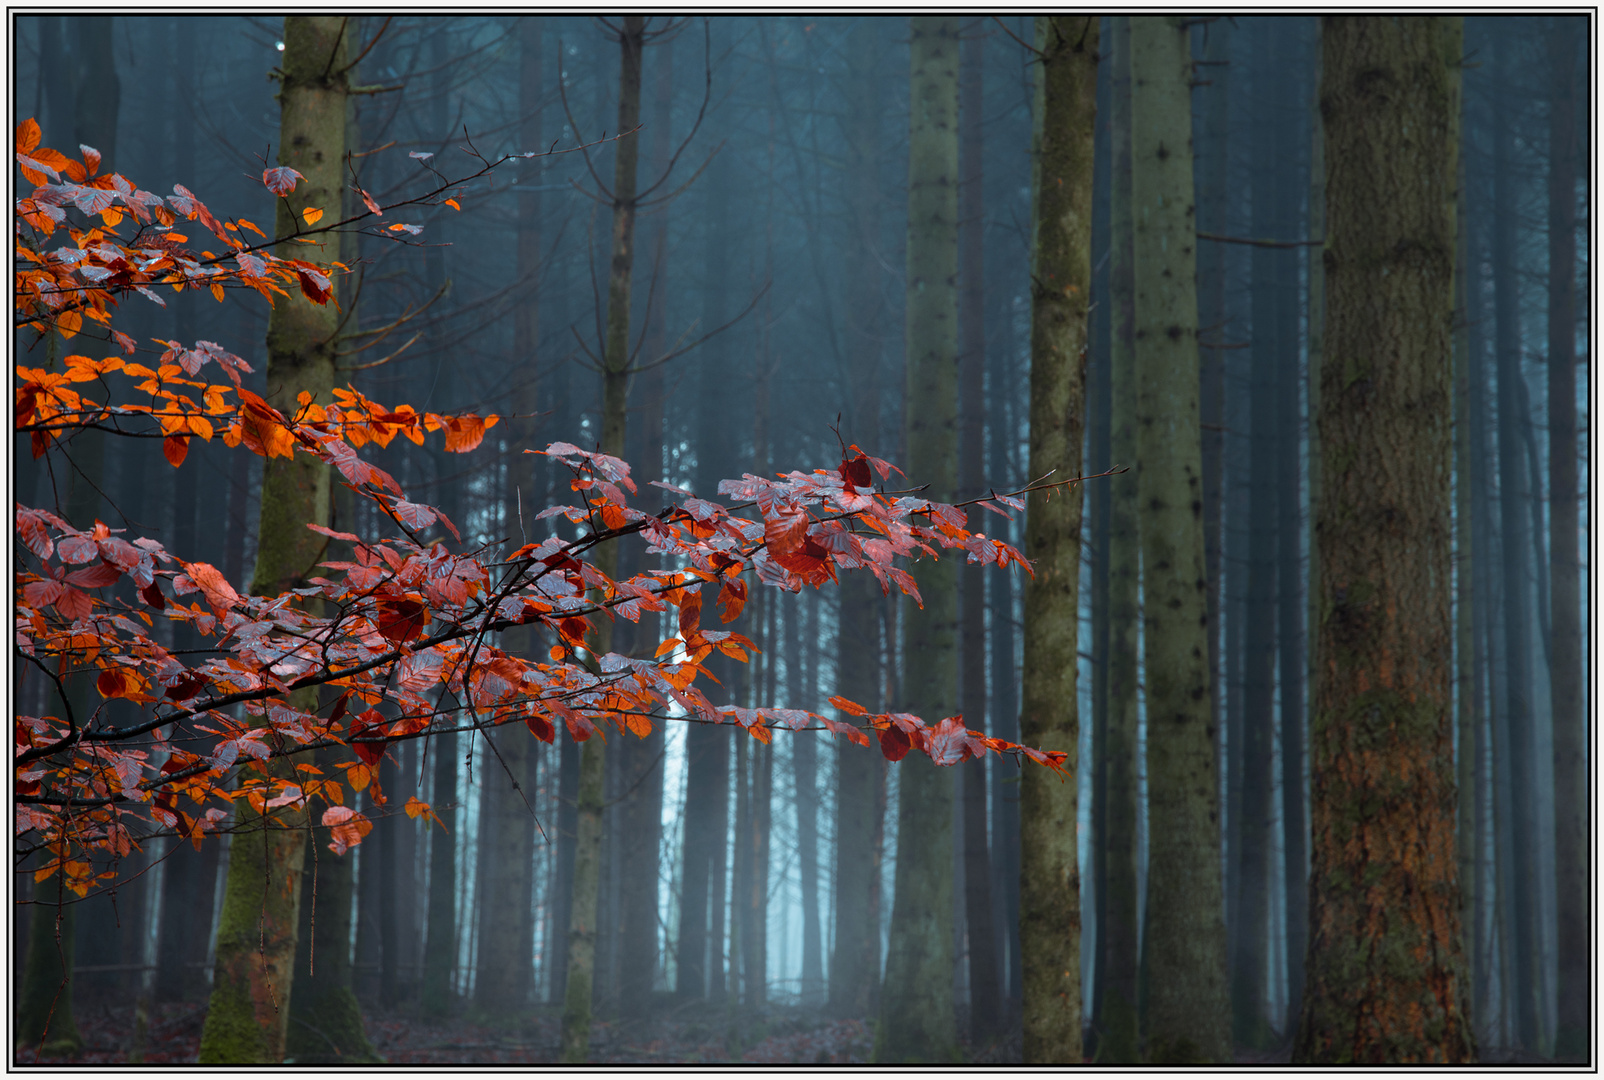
column 776, row 1035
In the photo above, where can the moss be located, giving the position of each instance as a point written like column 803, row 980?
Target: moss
column 328, row 1030
column 231, row 1035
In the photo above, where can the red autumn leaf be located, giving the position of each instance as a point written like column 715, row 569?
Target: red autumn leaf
column 174, row 449
column 541, row 727
column 219, row 593
column 855, row 471
column 116, row 682
column 401, row 619
column 152, row 595
column 731, row 598
column 347, row 828
column 186, row 686
column 894, row 743
column 367, row 200
column 785, row 533
column 314, row 285
column 690, row 616
column 573, row 630
column 851, row 708
column 94, row 577
column 364, row 736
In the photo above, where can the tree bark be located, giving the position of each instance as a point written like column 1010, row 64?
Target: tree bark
column 250, row 1000
column 1049, row 905
column 615, row 380
column 984, row 990
column 1570, row 724
column 1117, row 1038
column 1385, row 963
column 916, row 1006
column 1187, row 1016
column 855, row 959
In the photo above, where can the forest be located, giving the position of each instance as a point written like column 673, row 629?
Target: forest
column 953, row 539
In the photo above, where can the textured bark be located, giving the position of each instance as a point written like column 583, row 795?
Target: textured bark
column 256, row 942
column 1385, row 965
column 1049, row 905
column 1187, row 1018
column 1570, row 725
column 325, row 1019
column 582, row 922
column 984, row 990
column 855, row 960
column 916, row 1006
column 1116, row 1020
column 249, row 1008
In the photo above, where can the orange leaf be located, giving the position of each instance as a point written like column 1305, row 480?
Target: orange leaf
column 311, row 215
column 449, row 202
column 28, row 135
column 731, row 598
column 69, row 323
column 174, row 448
column 851, row 708
column 401, row 619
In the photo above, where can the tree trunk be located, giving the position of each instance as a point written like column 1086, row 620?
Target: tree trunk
column 1250, row 903
column 802, row 694
column 984, row 989
column 1570, row 730
column 916, row 1007
column 1117, row 1031
column 1517, row 621
column 245, row 1023
column 1184, row 947
column 436, row 995
column 1385, row 964
column 615, row 381
column 325, row 1019
column 1049, row 905
column 855, row 959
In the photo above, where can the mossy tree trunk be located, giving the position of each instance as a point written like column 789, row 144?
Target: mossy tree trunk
column 1117, row 1040
column 1385, row 964
column 1187, row 1015
column 1061, row 275
column 256, row 939
column 916, row 1004
column 615, row 384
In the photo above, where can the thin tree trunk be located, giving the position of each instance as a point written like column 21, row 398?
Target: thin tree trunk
column 801, row 692
column 1385, row 964
column 1517, row 621
column 855, row 957
column 984, row 995
column 615, row 379
column 916, row 1007
column 256, row 941
column 1251, row 902
column 1117, row 1040
column 1184, row 948
column 1061, row 275
column 1570, row 725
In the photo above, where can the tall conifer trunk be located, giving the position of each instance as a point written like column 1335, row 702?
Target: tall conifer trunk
column 1187, row 1015
column 1385, row 963
column 1117, row 1041
column 1049, row 906
column 256, row 939
column 582, row 922
column 916, row 1007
